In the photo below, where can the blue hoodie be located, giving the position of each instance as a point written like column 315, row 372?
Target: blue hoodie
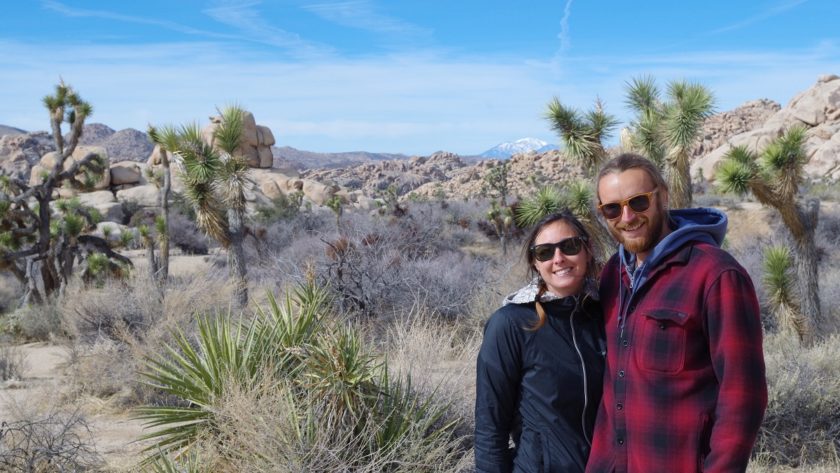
column 700, row 224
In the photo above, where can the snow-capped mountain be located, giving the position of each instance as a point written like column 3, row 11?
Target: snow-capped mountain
column 508, row 149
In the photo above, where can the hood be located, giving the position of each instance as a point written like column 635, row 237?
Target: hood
column 528, row 294
column 701, row 225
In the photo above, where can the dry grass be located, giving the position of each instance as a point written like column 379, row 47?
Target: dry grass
column 114, row 327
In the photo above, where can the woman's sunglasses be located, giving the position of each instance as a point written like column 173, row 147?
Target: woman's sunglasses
column 568, row 246
column 637, row 203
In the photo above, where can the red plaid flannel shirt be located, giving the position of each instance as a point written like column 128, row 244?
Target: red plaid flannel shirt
column 685, row 387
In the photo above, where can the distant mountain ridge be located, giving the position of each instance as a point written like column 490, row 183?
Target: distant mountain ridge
column 522, row 145
column 288, row 157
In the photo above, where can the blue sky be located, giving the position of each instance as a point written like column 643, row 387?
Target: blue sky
column 400, row 76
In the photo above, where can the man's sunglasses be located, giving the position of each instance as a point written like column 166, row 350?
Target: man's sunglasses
column 568, row 246
column 637, row 203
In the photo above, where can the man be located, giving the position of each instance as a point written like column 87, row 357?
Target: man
column 685, row 388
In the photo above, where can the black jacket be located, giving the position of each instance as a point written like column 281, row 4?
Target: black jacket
column 540, row 387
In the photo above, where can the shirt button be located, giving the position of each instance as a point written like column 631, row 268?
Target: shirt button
column 625, row 342
column 661, row 326
column 619, row 406
column 620, row 373
column 621, row 441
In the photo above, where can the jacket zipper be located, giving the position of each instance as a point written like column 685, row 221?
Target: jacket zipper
column 583, row 370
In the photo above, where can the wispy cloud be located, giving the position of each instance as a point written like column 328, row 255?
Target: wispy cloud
column 361, row 14
column 107, row 15
column 247, row 19
column 759, row 17
column 563, row 36
column 249, row 26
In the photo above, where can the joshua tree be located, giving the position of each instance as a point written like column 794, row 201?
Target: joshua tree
column 667, row 131
column 773, row 177
column 167, row 139
column 335, row 204
column 40, row 248
column 501, row 217
column 215, row 178
column 497, row 181
column 582, row 134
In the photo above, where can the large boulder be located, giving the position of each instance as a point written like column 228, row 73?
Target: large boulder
column 19, row 152
column 48, row 162
column 105, row 203
column 256, row 142
column 144, row 196
column 126, row 172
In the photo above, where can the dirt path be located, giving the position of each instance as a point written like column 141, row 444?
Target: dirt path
column 41, row 391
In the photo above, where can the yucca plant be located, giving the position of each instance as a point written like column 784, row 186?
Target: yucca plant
column 778, row 279
column 582, row 133
column 336, row 393
column 197, row 372
column 667, row 131
column 773, row 176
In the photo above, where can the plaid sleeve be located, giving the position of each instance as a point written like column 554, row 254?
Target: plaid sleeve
column 735, row 344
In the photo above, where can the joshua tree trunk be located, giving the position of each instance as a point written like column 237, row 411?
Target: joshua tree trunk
column 807, row 266
column 236, row 256
column 679, row 181
column 802, row 223
column 163, row 271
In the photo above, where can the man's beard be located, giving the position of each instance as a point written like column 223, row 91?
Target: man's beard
column 653, row 231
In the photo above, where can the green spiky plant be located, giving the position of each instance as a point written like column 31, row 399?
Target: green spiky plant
column 667, row 131
column 330, row 382
column 582, row 134
column 778, row 279
column 37, row 246
column 215, row 176
column 336, row 205
column 577, row 197
column 773, row 176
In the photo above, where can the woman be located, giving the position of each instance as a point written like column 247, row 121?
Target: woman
column 541, row 363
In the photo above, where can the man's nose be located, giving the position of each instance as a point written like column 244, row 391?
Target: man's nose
column 627, row 214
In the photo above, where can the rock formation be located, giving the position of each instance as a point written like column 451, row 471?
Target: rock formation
column 817, row 109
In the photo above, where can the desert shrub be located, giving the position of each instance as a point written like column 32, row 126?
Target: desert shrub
column 445, row 283
column 52, row 441
column 282, row 207
column 447, row 354
column 314, row 394
column 11, row 292
column 12, row 363
column 39, row 322
column 802, row 422
column 114, row 327
column 185, row 236
column 114, row 311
